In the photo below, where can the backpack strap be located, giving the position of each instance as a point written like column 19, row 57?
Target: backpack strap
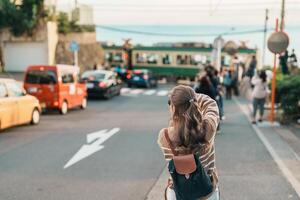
column 174, row 152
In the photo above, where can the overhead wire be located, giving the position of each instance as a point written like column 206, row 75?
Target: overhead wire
column 179, row 35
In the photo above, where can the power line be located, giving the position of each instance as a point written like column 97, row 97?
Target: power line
column 178, row 35
column 165, row 10
column 264, row 4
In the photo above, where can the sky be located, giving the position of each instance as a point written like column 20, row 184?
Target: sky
column 241, row 14
column 188, row 12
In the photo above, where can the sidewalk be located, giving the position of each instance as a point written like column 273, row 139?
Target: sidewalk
column 253, row 161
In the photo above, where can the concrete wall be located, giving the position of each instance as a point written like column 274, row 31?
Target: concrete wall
column 19, row 52
column 90, row 51
column 81, row 38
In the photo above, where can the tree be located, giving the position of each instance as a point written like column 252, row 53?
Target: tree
column 21, row 18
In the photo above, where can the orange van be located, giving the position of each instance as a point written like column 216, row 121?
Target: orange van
column 56, row 87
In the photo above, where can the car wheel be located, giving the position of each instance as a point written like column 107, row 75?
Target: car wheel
column 118, row 92
column 64, row 108
column 35, row 118
column 83, row 103
column 107, row 94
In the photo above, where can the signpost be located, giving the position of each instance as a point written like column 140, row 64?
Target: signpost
column 74, row 47
column 277, row 44
column 218, row 45
column 231, row 48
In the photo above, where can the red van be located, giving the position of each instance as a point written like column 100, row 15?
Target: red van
column 56, row 87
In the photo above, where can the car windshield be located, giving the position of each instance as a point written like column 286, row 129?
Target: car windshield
column 41, row 77
column 93, row 76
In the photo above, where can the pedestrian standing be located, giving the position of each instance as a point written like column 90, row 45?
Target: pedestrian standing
column 206, row 87
column 252, row 67
column 293, row 60
column 192, row 129
column 219, row 93
column 95, row 67
column 283, row 60
column 259, row 95
column 227, row 81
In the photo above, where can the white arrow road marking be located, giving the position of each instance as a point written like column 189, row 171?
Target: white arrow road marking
column 163, row 93
column 94, row 136
column 149, row 92
column 94, row 141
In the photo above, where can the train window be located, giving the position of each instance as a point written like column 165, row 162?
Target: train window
column 117, row 57
column 198, row 59
column 152, row 59
column 166, row 60
column 182, row 60
column 178, row 60
column 141, row 57
column 109, row 56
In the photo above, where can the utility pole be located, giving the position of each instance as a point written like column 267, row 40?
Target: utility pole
column 265, row 37
column 282, row 15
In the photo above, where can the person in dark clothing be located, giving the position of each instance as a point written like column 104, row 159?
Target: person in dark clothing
column 95, row 67
column 283, row 60
column 228, row 84
column 205, row 87
column 252, row 67
column 220, row 94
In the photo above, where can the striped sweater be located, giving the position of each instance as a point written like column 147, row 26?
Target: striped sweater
column 210, row 112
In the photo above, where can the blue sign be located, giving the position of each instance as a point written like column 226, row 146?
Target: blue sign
column 74, row 46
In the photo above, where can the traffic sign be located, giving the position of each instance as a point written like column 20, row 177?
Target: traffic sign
column 74, row 46
column 230, row 48
column 278, row 42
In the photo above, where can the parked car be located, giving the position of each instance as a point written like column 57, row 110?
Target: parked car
column 101, row 83
column 57, row 87
column 142, row 78
column 17, row 107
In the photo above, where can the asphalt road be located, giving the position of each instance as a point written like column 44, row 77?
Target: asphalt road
column 32, row 158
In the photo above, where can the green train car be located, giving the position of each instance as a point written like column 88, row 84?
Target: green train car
column 171, row 61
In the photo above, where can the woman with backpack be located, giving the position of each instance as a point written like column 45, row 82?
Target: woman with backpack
column 259, row 95
column 188, row 145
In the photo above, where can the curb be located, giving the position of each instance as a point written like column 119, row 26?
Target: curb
column 158, row 190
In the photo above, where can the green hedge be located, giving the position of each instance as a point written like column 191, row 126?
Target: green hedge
column 288, row 95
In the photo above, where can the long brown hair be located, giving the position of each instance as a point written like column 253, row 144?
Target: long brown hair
column 187, row 117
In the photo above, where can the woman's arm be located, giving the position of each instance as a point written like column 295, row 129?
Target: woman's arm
column 210, row 112
column 163, row 144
